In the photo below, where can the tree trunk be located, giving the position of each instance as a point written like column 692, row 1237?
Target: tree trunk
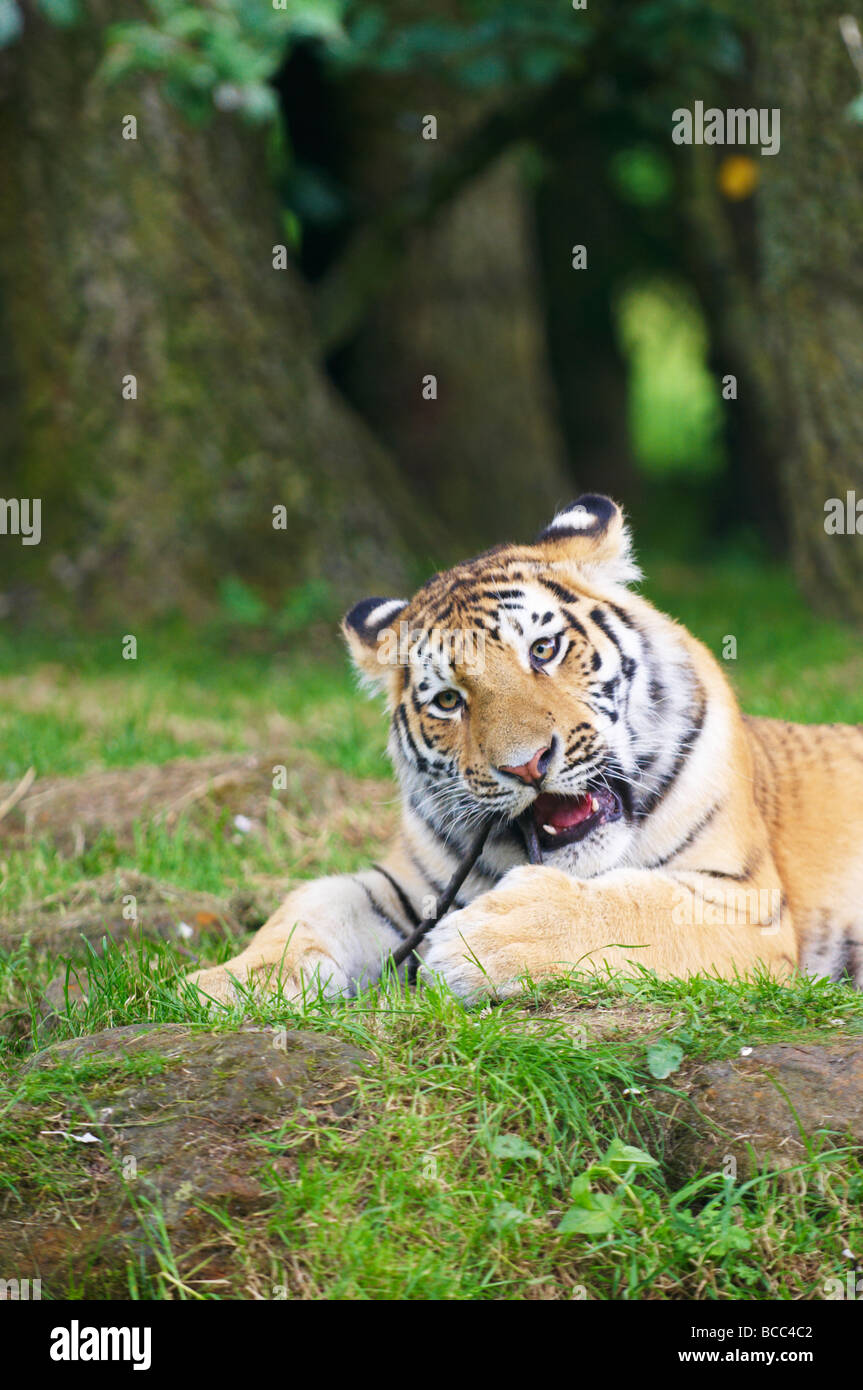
column 811, row 213
column 486, row 454
column 719, row 244
column 153, row 257
column 575, row 206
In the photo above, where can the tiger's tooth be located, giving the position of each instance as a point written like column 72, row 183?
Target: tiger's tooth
column 549, row 830
column 594, row 804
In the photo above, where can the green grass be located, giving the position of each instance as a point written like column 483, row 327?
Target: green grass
column 455, row 1186
column 475, row 1132
column 72, row 706
column 791, row 663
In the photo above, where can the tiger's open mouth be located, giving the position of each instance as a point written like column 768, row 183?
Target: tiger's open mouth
column 561, row 820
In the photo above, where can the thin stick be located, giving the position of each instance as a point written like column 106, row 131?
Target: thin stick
column 447, row 897
column 444, row 903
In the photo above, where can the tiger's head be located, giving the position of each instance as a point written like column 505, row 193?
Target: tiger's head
column 523, row 682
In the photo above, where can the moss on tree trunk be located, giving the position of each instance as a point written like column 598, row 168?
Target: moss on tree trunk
column 811, row 215
column 154, row 257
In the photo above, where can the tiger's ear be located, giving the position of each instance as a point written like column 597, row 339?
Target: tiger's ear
column 592, row 534
column 371, row 638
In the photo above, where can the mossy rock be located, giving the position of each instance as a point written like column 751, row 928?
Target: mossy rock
column 774, row 1108
column 147, row 1127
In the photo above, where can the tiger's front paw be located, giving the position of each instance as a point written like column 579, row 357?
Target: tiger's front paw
column 310, row 974
column 214, row 985
column 488, row 947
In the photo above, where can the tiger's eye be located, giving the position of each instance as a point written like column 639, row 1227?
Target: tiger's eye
column 448, row 700
column 543, row 649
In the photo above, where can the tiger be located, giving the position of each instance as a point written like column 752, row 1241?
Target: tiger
column 534, row 687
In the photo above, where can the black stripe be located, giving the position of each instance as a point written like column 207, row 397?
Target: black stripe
column 409, row 910
column 566, row 595
column 383, row 914
column 625, row 618
column 431, row 759
column 689, row 840
column 421, row 762
column 576, row 625
column 443, row 612
column 597, row 616
column 690, row 738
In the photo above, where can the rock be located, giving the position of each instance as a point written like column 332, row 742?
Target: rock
column 146, row 1124
column 753, row 1108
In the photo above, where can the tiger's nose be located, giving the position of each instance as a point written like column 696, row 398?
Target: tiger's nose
column 533, row 771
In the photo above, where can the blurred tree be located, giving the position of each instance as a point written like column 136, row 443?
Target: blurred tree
column 574, row 206
column 153, row 258
column 721, row 254
column 580, row 109
column 579, row 202
column 460, row 303
column 811, row 212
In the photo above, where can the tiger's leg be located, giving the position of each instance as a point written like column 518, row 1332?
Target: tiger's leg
column 541, row 922
column 332, row 932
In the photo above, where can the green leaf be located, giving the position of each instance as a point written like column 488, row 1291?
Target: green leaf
column 642, row 176
column 622, row 1157
column 10, row 22
column 513, row 1146
column 580, row 1191
column 596, row 1221
column 663, row 1058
